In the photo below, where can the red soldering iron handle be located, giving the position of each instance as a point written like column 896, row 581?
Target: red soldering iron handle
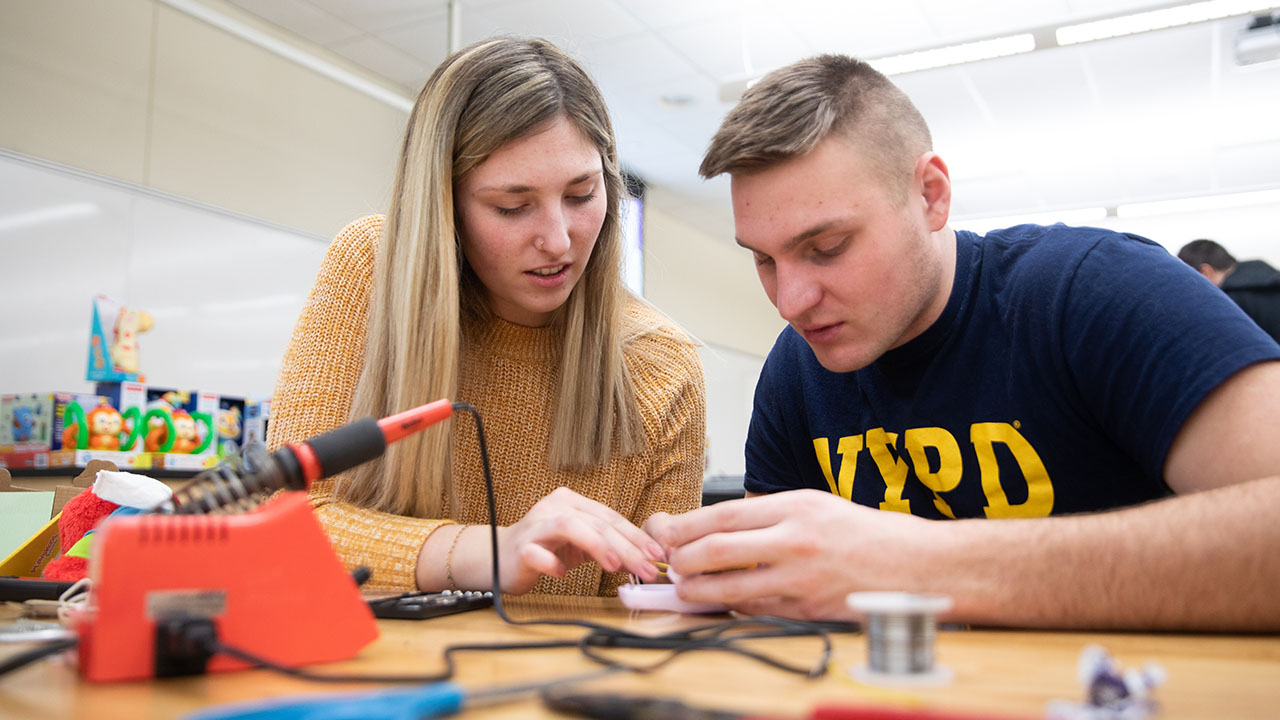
column 361, row 441
column 397, row 426
column 296, row 465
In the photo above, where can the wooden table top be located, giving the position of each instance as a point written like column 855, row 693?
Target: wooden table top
column 996, row 672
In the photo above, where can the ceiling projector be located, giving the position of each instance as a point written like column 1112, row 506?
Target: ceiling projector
column 1260, row 42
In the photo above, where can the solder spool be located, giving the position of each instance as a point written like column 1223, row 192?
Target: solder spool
column 900, row 629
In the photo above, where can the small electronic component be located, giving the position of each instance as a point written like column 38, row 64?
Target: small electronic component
column 423, row 605
column 1111, row 693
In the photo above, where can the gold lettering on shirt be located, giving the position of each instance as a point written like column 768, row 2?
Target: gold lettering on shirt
column 848, row 447
column 950, row 464
column 1039, row 501
column 894, row 470
column 946, row 477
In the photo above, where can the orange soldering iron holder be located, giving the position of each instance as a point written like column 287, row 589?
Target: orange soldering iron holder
column 269, row 579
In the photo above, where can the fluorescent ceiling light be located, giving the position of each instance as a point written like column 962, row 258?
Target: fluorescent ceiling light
column 289, row 51
column 955, row 54
column 1157, row 20
column 1077, row 216
column 733, row 88
column 1196, row 204
column 53, row 213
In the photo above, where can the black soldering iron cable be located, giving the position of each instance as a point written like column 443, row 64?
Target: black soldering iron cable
column 703, row 637
column 36, row 653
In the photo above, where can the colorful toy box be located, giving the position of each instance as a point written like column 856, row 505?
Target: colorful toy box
column 228, row 423
column 130, row 424
column 113, row 341
column 64, row 422
column 257, row 413
column 184, row 429
column 25, row 422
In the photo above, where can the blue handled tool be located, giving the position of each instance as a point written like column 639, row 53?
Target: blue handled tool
column 423, row 701
column 411, row 703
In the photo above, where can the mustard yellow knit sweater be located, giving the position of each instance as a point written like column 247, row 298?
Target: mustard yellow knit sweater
column 509, row 376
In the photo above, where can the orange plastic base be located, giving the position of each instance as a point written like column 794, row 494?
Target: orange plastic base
column 270, row 580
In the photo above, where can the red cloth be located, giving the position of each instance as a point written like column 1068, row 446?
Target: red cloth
column 81, row 514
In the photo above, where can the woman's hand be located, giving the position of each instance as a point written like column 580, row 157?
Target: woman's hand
column 564, row 530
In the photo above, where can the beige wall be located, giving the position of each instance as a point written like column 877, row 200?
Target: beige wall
column 707, row 285
column 138, row 91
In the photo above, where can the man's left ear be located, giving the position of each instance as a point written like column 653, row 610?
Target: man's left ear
column 934, row 181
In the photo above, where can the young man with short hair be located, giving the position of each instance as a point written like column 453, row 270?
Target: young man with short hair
column 1085, row 407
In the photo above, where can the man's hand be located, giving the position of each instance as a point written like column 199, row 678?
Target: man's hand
column 807, row 550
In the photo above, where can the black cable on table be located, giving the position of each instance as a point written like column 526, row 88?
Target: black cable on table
column 26, row 658
column 711, row 636
column 705, row 637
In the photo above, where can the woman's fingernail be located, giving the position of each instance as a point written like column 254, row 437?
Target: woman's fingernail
column 655, row 552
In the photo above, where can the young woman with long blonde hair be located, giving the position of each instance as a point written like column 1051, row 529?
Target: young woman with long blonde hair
column 494, row 279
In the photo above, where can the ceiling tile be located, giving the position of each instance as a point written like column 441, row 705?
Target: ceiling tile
column 395, row 65
column 862, row 28
column 947, row 100
column 1136, row 70
column 1019, row 90
column 569, row 23
column 994, row 196
column 1085, row 9
column 1167, row 175
column 640, row 59
column 659, row 14
column 373, row 16
column 686, row 106
column 1157, row 113
column 426, row 41
column 302, row 18
column 1070, row 190
column 1248, row 167
column 957, row 20
column 736, row 46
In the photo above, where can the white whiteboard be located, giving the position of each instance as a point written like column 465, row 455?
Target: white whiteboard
column 731, row 383
column 225, row 290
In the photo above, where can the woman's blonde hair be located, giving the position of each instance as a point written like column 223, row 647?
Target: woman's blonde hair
column 426, row 300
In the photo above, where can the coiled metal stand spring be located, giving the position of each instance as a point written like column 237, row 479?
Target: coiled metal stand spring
column 230, row 488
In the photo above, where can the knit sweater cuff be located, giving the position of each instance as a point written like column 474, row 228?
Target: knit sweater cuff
column 387, row 544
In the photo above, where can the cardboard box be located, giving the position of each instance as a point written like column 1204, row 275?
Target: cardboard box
column 204, row 427
column 257, row 414
column 201, row 427
column 113, row 341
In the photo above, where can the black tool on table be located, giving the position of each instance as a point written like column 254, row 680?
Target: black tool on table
column 423, row 605
column 18, row 589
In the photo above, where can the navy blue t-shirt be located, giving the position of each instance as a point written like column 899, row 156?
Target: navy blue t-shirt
column 1055, row 380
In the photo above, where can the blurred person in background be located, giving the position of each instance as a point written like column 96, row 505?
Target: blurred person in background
column 1253, row 284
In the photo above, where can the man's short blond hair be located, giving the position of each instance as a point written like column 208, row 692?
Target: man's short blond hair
column 794, row 108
